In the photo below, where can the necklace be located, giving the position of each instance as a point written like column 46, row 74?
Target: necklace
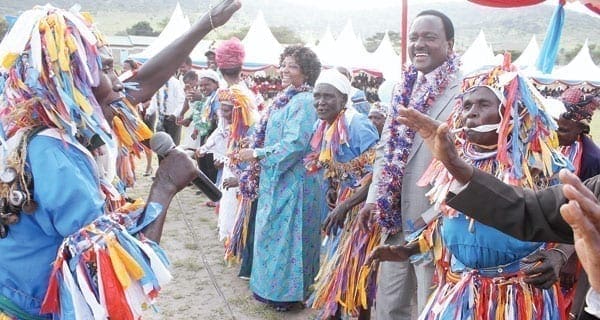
column 401, row 140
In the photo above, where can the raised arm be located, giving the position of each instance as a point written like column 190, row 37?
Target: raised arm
column 156, row 71
column 522, row 213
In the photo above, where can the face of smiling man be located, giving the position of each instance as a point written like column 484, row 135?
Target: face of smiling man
column 428, row 47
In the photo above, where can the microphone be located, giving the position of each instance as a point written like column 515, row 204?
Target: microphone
column 162, row 144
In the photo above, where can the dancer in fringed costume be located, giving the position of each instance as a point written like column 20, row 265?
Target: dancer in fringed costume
column 482, row 273
column 60, row 101
column 239, row 115
column 574, row 114
column 343, row 147
column 287, row 237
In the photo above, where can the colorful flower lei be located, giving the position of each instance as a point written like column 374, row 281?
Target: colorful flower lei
column 401, row 140
column 249, row 177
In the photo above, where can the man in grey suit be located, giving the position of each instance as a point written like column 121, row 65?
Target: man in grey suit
column 430, row 47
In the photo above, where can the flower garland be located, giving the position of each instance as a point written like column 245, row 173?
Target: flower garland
column 401, row 140
column 249, row 177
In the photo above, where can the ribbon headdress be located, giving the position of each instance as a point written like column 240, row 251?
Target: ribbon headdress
column 50, row 61
column 526, row 153
column 244, row 114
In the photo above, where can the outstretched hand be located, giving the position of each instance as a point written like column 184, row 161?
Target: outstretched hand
column 436, row 136
column 391, row 253
column 434, row 133
column 223, row 11
column 582, row 212
column 335, row 220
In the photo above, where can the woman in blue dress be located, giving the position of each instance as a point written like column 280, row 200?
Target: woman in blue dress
column 287, row 236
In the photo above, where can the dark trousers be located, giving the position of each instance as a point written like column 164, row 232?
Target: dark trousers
column 170, row 126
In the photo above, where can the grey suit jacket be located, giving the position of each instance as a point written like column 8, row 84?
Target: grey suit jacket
column 414, row 202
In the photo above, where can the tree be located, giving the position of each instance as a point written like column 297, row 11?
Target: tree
column 285, row 35
column 162, row 24
column 372, row 43
column 142, row 28
column 239, row 33
column 3, row 27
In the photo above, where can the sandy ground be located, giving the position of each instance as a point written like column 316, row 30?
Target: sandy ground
column 203, row 286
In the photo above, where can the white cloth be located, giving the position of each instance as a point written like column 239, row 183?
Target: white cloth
column 169, row 99
column 210, row 74
column 592, row 300
column 337, row 80
column 227, row 206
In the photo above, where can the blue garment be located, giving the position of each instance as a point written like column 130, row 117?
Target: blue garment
column 68, row 196
column 484, row 247
column 360, row 102
column 362, row 135
column 287, row 234
column 590, row 159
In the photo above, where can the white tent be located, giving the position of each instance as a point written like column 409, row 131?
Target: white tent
column 529, row 56
column 177, row 25
column 478, row 55
column 325, row 49
column 349, row 50
column 580, row 69
column 386, row 60
column 262, row 49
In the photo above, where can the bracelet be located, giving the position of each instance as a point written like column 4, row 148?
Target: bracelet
column 562, row 253
column 212, row 26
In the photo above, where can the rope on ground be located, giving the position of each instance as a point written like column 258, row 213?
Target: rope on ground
column 211, row 274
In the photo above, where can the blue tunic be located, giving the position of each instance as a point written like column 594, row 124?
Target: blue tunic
column 287, row 235
column 485, row 247
column 68, row 196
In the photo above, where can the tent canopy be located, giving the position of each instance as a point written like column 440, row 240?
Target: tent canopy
column 177, row 26
column 581, row 69
column 529, row 56
column 262, row 49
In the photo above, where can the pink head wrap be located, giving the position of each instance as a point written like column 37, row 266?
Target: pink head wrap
column 230, row 54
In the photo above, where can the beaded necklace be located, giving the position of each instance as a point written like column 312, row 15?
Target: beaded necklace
column 249, row 177
column 401, row 141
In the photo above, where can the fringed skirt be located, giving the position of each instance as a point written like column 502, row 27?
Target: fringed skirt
column 343, row 280
column 471, row 295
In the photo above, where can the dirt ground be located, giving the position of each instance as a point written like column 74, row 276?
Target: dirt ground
column 203, row 285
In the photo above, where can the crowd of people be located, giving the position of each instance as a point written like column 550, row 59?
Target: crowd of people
column 445, row 202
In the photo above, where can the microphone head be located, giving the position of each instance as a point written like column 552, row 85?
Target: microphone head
column 161, row 143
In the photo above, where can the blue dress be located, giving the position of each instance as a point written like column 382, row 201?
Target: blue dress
column 287, row 234
column 67, row 192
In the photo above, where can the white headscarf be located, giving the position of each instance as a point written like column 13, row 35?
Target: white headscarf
column 337, row 80
column 210, row 74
